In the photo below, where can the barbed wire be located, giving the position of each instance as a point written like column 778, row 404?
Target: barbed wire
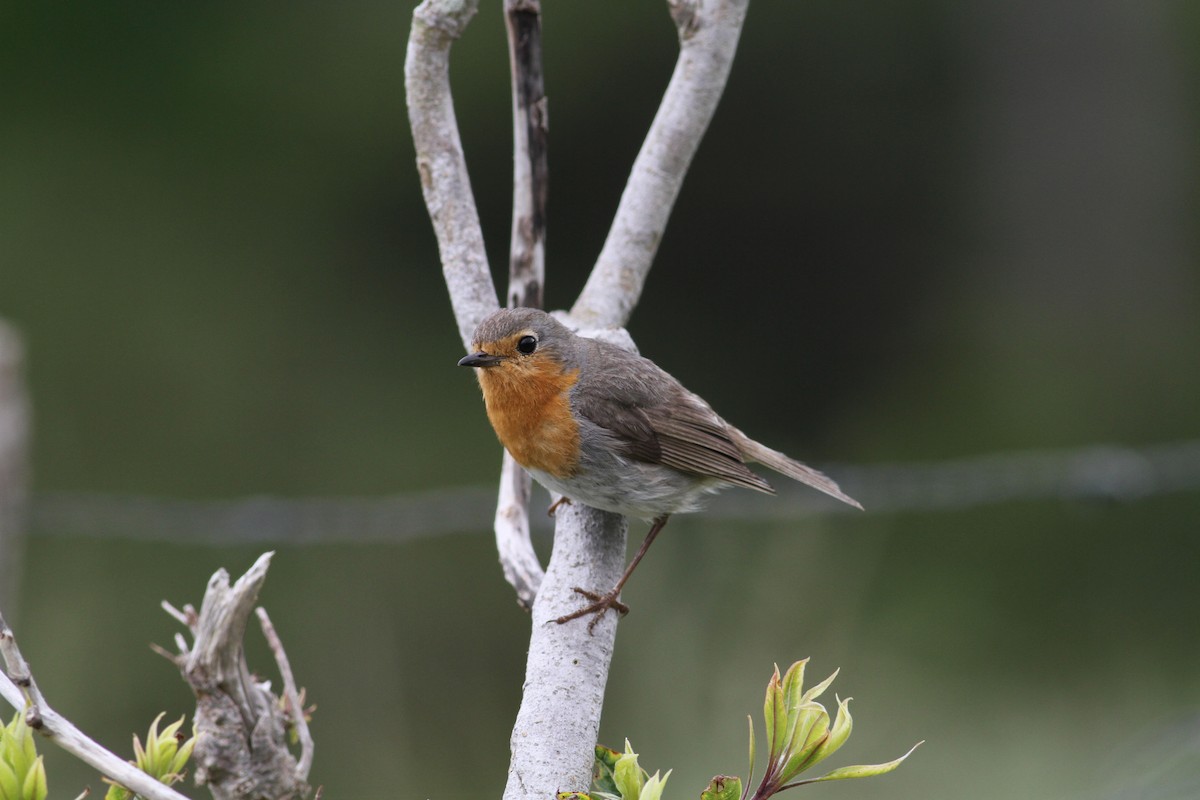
column 1099, row 473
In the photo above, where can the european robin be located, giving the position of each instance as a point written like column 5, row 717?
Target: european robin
column 610, row 429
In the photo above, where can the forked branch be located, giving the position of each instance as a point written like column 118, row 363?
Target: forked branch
column 567, row 669
column 708, row 37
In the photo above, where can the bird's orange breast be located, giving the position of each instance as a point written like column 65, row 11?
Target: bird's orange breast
column 528, row 405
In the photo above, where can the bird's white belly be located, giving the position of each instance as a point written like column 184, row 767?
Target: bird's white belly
column 645, row 491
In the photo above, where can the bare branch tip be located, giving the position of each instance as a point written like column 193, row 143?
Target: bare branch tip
column 165, row 653
column 185, row 619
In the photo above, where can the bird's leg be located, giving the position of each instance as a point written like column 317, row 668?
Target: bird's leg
column 601, row 603
column 562, row 500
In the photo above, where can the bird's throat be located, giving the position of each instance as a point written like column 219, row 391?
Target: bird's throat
column 529, row 406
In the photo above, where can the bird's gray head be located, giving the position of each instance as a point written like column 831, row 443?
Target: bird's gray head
column 521, row 337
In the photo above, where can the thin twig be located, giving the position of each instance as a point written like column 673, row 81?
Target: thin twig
column 708, row 37
column 290, row 693
column 20, row 690
column 188, row 620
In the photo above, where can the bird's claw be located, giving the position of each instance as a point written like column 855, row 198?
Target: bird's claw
column 563, row 500
column 599, row 606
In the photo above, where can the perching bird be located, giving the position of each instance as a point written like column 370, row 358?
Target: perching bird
column 612, row 430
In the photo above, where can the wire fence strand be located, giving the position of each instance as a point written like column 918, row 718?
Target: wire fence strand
column 1099, row 473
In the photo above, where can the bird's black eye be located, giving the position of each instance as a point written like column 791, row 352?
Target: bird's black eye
column 527, row 344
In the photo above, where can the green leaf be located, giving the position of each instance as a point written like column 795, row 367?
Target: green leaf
column 723, row 787
column 35, row 782
column 859, row 770
column 18, row 748
column 168, row 747
column 116, row 792
column 769, row 711
column 793, row 683
column 838, row 734
column 10, row 788
column 602, row 777
column 607, row 756
column 150, row 764
column 627, row 775
column 811, row 731
column 819, row 689
column 182, row 756
column 775, row 710
column 170, row 732
column 793, row 689
column 654, row 787
column 750, row 772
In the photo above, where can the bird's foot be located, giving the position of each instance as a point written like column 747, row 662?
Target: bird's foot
column 599, row 606
column 564, row 500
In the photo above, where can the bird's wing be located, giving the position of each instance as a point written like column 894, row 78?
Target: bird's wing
column 655, row 420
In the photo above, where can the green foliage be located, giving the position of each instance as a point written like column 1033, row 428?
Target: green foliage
column 799, row 736
column 22, row 775
column 723, row 787
column 163, row 758
column 618, row 776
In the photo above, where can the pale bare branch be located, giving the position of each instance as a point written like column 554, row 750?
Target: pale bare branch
column 440, row 161
column 520, row 563
column 290, row 693
column 708, row 37
column 554, row 737
column 20, row 690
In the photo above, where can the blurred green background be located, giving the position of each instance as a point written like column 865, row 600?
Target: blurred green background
column 916, row 231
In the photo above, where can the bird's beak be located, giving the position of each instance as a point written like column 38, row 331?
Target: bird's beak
column 480, row 359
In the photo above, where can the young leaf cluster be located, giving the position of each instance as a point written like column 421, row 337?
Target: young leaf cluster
column 163, row 758
column 619, row 777
column 22, row 775
column 800, row 735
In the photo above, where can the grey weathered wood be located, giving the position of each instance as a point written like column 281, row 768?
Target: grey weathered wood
column 241, row 748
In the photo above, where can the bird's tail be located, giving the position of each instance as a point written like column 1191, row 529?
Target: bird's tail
column 753, row 451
